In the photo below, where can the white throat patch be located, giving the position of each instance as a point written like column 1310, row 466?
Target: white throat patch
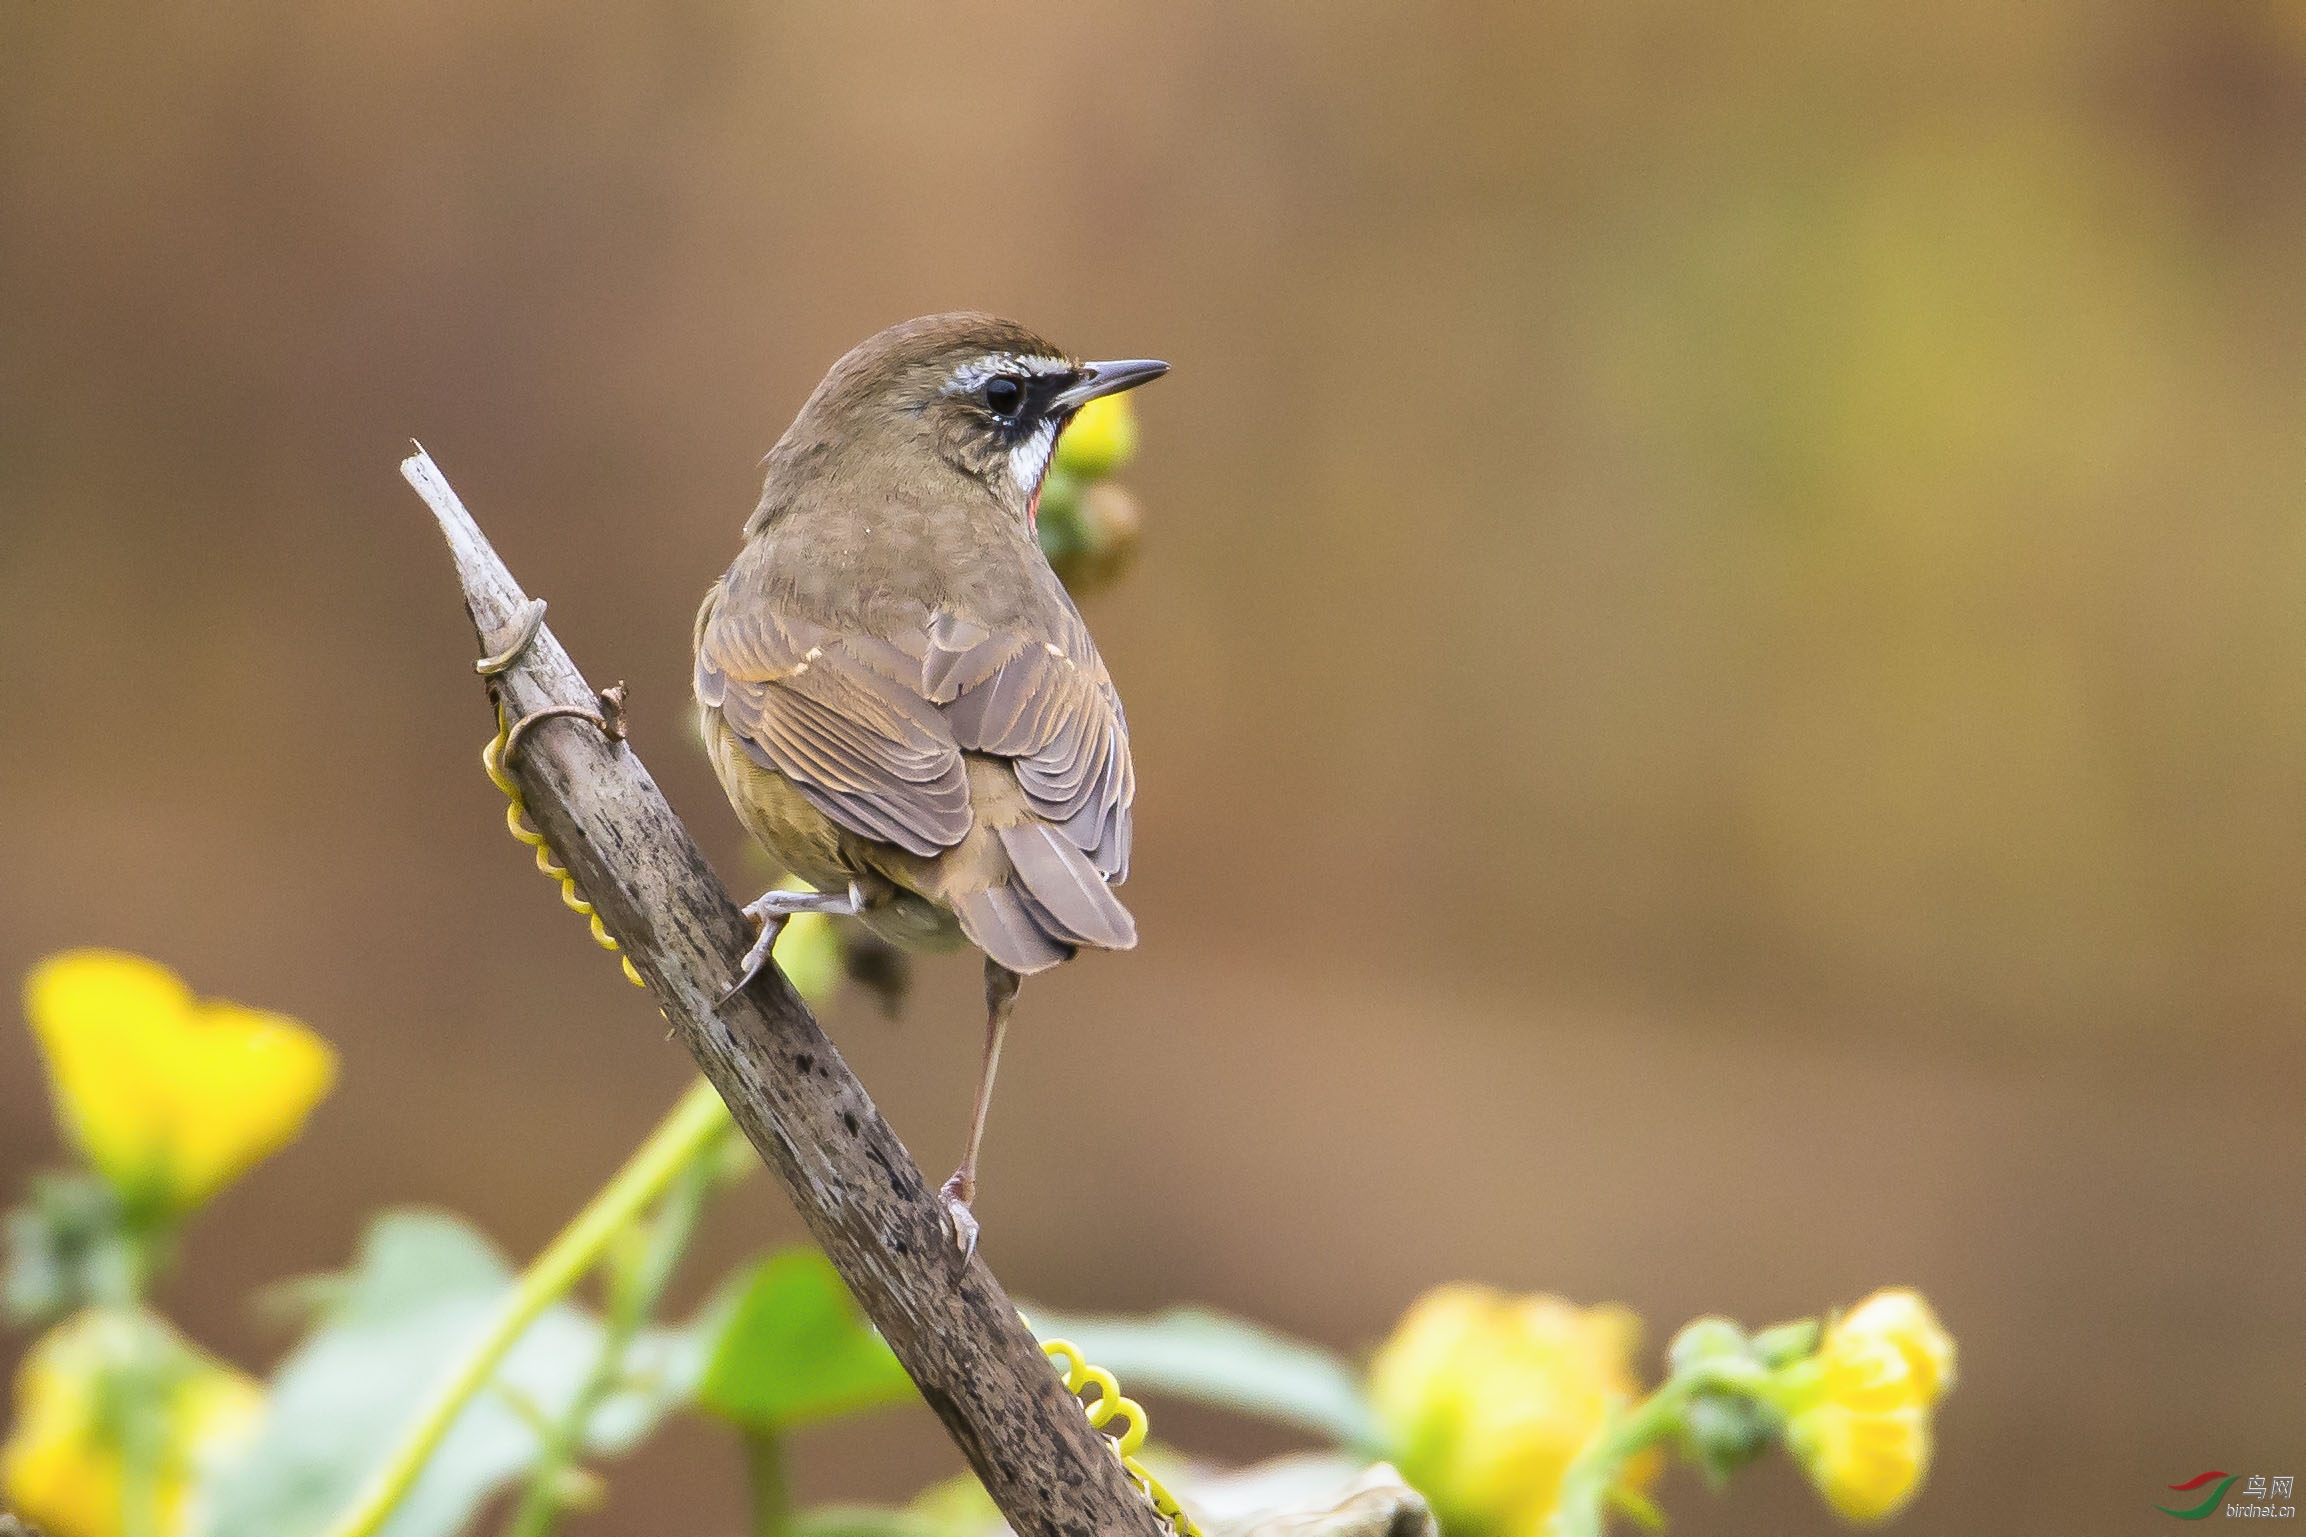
column 1029, row 460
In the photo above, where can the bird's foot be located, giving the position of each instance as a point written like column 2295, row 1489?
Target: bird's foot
column 957, row 1194
column 749, row 969
column 770, row 910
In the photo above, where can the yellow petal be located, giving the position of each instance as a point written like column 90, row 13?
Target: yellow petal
column 1867, row 1465
column 1871, row 1375
column 1486, row 1397
column 170, row 1097
column 1904, row 1318
column 1412, row 1384
column 50, row 1470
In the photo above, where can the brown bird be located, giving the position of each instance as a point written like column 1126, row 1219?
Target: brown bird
column 898, row 695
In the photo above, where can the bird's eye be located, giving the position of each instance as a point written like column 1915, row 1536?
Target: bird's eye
column 1005, row 398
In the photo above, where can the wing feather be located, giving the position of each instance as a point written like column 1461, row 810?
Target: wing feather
column 1001, row 922
column 1052, row 711
column 1070, row 892
column 872, row 728
column 866, row 749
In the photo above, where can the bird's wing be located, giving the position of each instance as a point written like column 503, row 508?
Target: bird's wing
column 872, row 730
column 1050, row 708
column 839, row 716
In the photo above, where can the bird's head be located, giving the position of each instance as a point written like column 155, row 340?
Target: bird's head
column 979, row 395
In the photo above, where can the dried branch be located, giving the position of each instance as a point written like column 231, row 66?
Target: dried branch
column 858, row 1190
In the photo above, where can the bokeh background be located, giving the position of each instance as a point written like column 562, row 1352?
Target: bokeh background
column 1718, row 672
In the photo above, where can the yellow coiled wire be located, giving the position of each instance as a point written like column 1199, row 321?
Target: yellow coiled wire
column 1078, row 1373
column 1081, row 1376
column 492, row 759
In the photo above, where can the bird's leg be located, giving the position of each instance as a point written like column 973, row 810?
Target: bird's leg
column 771, row 910
column 1000, row 997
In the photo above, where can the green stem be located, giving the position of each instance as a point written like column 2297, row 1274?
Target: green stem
column 1591, row 1475
column 136, row 1391
column 148, row 1243
column 766, row 1481
column 635, row 1290
column 1585, row 1483
column 672, row 1147
column 143, row 1447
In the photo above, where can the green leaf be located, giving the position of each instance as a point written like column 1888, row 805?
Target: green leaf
column 794, row 1350
column 68, row 1245
column 1215, row 1359
column 422, row 1287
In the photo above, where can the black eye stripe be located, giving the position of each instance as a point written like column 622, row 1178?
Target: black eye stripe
column 1014, row 401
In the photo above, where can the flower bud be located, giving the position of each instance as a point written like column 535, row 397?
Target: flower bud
column 1858, row 1411
column 1782, row 1344
column 1093, row 540
column 1722, row 1432
column 1704, row 1339
column 1101, row 438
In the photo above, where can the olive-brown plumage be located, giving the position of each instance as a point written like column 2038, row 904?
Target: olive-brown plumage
column 898, row 695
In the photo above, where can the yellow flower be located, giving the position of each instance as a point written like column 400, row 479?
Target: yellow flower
column 1899, row 1315
column 1100, row 439
column 170, row 1097
column 1859, row 1410
column 1486, row 1397
column 78, row 1390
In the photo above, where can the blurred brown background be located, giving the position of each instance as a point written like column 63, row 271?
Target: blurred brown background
column 1719, row 674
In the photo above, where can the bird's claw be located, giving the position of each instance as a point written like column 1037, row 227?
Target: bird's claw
column 770, row 910
column 955, row 1195
column 757, row 958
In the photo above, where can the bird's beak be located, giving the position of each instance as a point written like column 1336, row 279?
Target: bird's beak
column 1094, row 379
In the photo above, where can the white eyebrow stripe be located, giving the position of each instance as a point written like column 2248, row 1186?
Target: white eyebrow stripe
column 972, row 374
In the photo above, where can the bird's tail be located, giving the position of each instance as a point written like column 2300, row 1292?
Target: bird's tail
column 1053, row 902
